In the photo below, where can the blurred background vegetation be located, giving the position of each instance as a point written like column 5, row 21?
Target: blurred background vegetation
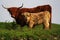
column 13, row 31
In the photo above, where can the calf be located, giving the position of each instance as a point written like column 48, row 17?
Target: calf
column 38, row 18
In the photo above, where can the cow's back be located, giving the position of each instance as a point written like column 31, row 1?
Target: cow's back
column 36, row 9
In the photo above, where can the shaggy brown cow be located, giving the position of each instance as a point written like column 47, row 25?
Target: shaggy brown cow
column 38, row 18
column 17, row 11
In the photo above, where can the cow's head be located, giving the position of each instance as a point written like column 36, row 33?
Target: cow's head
column 13, row 10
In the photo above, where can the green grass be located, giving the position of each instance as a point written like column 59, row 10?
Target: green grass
column 12, row 31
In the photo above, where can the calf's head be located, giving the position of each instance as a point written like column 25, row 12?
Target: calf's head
column 27, row 15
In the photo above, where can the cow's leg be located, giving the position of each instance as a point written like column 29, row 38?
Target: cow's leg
column 47, row 20
column 31, row 23
column 46, row 24
column 50, row 24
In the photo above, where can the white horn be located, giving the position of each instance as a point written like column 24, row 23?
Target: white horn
column 4, row 7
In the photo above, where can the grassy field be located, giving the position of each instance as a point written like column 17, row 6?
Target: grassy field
column 12, row 31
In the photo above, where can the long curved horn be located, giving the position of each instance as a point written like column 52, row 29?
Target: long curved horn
column 4, row 7
column 21, row 6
